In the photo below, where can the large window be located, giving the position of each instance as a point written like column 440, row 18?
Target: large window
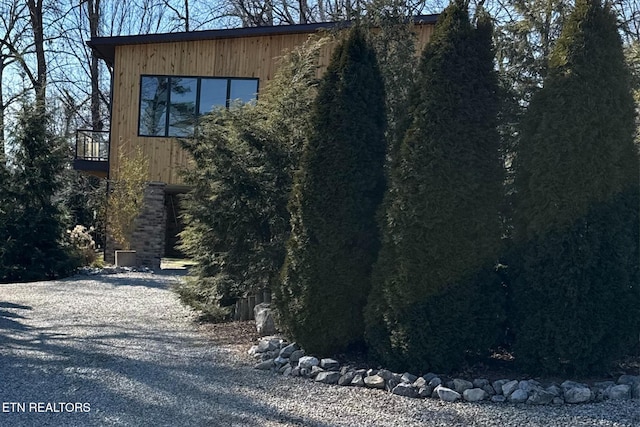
column 171, row 105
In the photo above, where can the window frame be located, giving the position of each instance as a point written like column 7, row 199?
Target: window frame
column 198, row 114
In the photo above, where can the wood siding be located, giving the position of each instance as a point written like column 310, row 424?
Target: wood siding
column 235, row 57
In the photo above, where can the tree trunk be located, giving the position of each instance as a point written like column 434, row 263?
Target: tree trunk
column 93, row 12
column 2, row 111
column 40, row 83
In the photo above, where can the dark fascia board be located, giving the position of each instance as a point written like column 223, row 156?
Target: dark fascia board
column 105, row 47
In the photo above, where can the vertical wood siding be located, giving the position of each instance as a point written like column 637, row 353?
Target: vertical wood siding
column 235, row 57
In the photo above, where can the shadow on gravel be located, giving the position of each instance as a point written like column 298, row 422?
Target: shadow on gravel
column 8, row 317
column 173, row 271
column 129, row 377
column 126, row 280
column 123, row 280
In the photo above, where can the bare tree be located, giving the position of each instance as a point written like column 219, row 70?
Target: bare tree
column 14, row 48
column 37, row 27
column 628, row 12
column 93, row 14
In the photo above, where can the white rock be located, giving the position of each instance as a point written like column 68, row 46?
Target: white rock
column 489, row 389
column 578, row 394
column 347, row 378
column 497, row 385
column 634, row 382
column 460, row 385
column 279, row 361
column 328, row 377
column 480, row 382
column 527, row 386
column 308, row 362
column 540, row 397
column 265, row 324
column 385, row 374
column 434, row 382
column 571, row 384
column 518, row 396
column 619, row 392
column 446, row 394
column 406, row 390
column 288, row 350
column 374, row 381
column 330, row 364
column 420, row 382
column 315, row 370
column 425, row 391
column 408, row 377
column 555, row 390
column 296, row 355
column 474, row 395
column 266, row 345
column 509, row 388
column 358, row 380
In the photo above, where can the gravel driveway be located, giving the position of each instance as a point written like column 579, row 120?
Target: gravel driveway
column 120, row 350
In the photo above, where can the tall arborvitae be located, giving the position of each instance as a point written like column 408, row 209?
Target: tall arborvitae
column 576, row 296
column 334, row 241
column 32, row 246
column 394, row 40
column 436, row 296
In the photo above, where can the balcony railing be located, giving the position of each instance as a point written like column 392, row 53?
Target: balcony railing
column 92, row 151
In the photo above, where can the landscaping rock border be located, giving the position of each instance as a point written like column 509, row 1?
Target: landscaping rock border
column 277, row 355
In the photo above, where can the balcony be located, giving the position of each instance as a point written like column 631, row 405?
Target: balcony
column 92, row 152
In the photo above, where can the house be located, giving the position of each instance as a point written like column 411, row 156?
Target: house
column 160, row 84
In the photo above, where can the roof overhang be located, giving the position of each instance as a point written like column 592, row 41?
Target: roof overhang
column 105, row 47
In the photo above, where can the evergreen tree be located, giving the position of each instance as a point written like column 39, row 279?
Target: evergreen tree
column 436, row 296
column 236, row 215
column 33, row 245
column 393, row 37
column 334, row 238
column 576, row 294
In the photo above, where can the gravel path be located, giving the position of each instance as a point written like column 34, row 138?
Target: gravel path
column 123, row 346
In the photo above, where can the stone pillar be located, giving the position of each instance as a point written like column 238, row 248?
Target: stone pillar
column 148, row 237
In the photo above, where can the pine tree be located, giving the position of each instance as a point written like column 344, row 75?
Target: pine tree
column 576, row 294
column 436, row 296
column 334, row 241
column 33, row 245
column 236, row 214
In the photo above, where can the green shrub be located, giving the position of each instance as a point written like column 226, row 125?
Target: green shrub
column 436, row 297
column 334, row 238
column 33, row 243
column 236, row 218
column 576, row 298
column 204, row 299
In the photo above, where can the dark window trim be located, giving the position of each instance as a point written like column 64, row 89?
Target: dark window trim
column 197, row 102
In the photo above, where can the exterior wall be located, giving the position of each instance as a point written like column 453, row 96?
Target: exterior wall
column 254, row 57
column 240, row 57
column 148, row 237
